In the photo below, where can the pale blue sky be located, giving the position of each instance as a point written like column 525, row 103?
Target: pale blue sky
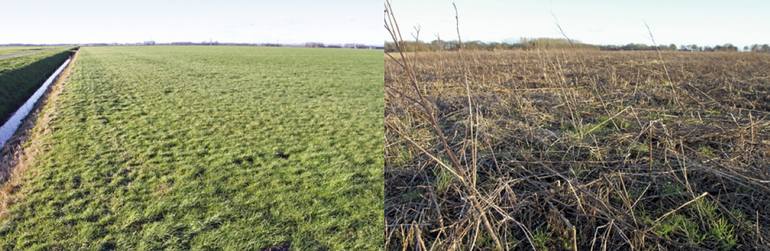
column 740, row 22
column 107, row 21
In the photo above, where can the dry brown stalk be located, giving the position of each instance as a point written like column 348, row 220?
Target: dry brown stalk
column 546, row 151
column 680, row 207
column 461, row 173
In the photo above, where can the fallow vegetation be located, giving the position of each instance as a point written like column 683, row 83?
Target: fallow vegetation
column 571, row 149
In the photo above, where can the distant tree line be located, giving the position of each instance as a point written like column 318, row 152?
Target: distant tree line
column 522, row 44
column 726, row 47
column 757, row 48
column 559, row 43
column 671, row 47
column 350, row 45
column 690, row 47
column 637, row 47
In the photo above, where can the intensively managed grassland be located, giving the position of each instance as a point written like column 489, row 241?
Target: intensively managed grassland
column 14, row 50
column 207, row 148
column 20, row 76
column 577, row 150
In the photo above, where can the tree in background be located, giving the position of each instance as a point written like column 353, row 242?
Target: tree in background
column 438, row 44
column 760, row 48
column 474, row 45
column 495, row 46
column 453, row 45
column 729, row 47
column 524, row 43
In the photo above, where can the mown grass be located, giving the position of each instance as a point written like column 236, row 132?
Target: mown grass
column 20, row 76
column 209, row 148
column 14, row 50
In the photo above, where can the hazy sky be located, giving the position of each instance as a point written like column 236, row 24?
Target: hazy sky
column 249, row 21
column 704, row 22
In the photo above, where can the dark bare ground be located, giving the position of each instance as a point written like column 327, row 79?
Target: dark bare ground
column 284, row 247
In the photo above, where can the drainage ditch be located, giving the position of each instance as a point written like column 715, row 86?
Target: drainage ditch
column 13, row 123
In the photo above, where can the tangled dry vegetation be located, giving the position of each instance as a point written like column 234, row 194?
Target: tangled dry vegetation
column 568, row 150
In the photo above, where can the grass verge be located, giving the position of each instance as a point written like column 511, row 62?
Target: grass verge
column 14, row 50
column 21, row 76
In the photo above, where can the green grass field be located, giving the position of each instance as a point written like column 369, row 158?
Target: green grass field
column 21, row 76
column 14, row 50
column 208, row 148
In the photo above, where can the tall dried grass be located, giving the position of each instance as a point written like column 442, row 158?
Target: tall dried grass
column 576, row 150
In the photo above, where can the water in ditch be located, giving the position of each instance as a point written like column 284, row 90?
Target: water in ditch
column 10, row 127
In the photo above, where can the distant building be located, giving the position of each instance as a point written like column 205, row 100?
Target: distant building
column 314, row 44
column 149, row 43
